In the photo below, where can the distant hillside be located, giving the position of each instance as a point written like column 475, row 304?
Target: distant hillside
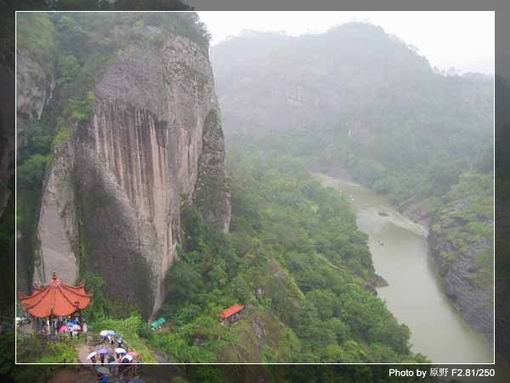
column 358, row 99
column 358, row 96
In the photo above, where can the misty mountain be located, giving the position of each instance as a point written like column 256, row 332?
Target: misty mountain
column 358, row 96
column 357, row 99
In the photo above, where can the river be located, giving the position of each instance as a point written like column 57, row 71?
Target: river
column 401, row 256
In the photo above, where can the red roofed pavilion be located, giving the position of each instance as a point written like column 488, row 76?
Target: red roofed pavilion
column 56, row 299
column 231, row 314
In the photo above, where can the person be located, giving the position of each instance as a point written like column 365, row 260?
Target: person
column 124, row 364
column 101, row 358
column 102, row 378
column 39, row 325
column 84, row 328
column 93, row 359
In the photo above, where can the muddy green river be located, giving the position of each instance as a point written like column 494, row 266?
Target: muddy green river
column 401, row 256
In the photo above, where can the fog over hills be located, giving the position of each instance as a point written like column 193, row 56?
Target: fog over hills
column 361, row 100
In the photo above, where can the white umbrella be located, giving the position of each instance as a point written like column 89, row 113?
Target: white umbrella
column 93, row 353
column 128, row 357
column 107, row 332
column 120, row 350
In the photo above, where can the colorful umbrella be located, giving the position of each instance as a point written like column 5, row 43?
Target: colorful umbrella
column 62, row 330
column 102, row 351
column 120, row 350
column 93, row 353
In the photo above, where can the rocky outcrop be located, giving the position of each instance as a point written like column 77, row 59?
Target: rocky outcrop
column 209, row 193
column 464, row 263
column 35, row 85
column 35, row 91
column 152, row 142
column 57, row 231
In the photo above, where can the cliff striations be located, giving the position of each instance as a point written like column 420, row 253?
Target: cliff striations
column 146, row 139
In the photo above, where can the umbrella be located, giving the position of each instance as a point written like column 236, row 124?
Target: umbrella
column 134, row 354
column 107, row 332
column 103, row 370
column 93, row 353
column 120, row 350
column 76, row 327
column 128, row 357
column 62, row 329
column 102, row 351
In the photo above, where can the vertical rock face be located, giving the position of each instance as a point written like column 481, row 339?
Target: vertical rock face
column 460, row 275
column 209, row 193
column 57, row 230
column 35, row 86
column 154, row 141
column 35, row 89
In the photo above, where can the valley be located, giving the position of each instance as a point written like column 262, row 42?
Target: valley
column 177, row 179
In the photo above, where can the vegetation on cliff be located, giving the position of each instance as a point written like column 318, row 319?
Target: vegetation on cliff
column 465, row 220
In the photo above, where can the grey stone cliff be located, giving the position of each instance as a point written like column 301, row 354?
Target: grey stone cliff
column 115, row 189
column 460, row 274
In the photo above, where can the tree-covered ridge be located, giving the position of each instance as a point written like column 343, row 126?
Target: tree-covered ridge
column 364, row 99
column 296, row 259
column 356, row 100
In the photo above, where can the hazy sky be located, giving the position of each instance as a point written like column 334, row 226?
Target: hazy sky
column 464, row 40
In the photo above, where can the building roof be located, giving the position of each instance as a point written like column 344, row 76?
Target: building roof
column 55, row 299
column 231, row 311
column 157, row 323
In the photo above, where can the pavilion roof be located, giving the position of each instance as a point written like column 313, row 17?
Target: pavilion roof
column 234, row 309
column 55, row 299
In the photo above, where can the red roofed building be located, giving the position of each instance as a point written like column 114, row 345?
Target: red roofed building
column 231, row 314
column 56, row 299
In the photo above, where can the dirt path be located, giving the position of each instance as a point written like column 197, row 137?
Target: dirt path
column 83, row 350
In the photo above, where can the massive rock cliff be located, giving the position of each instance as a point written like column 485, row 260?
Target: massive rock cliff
column 142, row 151
column 150, row 141
column 458, row 275
column 35, row 91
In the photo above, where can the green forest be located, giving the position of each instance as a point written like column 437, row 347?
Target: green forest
column 295, row 257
